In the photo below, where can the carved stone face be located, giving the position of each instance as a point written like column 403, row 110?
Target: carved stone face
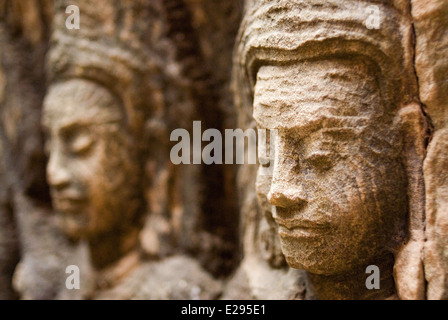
column 92, row 169
column 336, row 191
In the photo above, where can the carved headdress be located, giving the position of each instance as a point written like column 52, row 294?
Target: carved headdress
column 278, row 32
column 118, row 47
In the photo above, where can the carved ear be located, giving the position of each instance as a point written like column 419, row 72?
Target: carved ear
column 408, row 269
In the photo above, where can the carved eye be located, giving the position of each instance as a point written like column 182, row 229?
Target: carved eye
column 321, row 161
column 81, row 144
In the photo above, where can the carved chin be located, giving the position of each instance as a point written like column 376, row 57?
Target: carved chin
column 313, row 255
column 73, row 225
column 300, row 255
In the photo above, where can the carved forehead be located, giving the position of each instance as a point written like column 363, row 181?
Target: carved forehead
column 314, row 94
column 81, row 101
column 286, row 30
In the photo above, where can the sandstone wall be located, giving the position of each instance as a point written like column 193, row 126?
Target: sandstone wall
column 369, row 98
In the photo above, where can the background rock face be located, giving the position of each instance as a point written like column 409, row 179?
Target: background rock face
column 163, row 64
column 86, row 177
column 432, row 70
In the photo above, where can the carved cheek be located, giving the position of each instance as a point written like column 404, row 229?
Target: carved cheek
column 331, row 194
column 352, row 195
column 87, row 169
column 108, row 168
column 96, row 183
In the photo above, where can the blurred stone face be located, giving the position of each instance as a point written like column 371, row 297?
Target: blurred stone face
column 336, row 191
column 92, row 168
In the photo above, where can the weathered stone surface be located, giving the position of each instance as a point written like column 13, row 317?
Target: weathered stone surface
column 436, row 255
column 175, row 278
column 128, row 91
column 356, row 176
column 141, row 65
column 9, row 254
column 24, row 32
column 346, row 189
column 431, row 22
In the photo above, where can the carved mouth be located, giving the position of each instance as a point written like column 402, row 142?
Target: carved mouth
column 296, row 228
column 301, row 223
column 68, row 205
column 302, row 232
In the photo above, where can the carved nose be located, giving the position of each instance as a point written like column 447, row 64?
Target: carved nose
column 286, row 197
column 57, row 174
column 284, row 191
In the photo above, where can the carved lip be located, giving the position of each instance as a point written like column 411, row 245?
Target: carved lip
column 303, row 233
column 292, row 224
column 296, row 228
column 67, row 204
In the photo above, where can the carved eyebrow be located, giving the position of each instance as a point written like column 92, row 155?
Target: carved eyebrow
column 69, row 128
column 83, row 124
column 317, row 152
column 328, row 138
column 329, row 141
column 342, row 132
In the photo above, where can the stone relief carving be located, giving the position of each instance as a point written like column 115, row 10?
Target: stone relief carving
column 110, row 105
column 98, row 151
column 336, row 189
column 346, row 190
column 357, row 167
column 92, row 168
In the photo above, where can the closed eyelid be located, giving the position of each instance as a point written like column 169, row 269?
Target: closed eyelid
column 72, row 131
column 82, row 140
column 318, row 154
column 77, row 138
column 321, row 159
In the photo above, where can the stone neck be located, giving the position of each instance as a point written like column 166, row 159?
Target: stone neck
column 107, row 249
column 352, row 285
